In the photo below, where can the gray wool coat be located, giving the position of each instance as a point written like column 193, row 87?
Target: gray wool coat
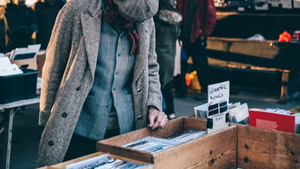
column 69, row 73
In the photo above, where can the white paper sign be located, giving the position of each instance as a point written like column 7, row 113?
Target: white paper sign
column 218, row 93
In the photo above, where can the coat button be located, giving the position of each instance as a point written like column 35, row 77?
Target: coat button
column 50, row 143
column 78, row 88
column 139, row 118
column 64, row 114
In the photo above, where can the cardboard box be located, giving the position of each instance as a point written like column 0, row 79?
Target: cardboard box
column 63, row 165
column 40, row 63
column 32, row 63
column 217, row 150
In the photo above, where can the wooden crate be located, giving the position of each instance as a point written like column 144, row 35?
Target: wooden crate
column 267, row 149
column 237, row 146
column 216, row 150
column 63, row 165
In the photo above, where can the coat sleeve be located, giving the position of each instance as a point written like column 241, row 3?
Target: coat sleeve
column 154, row 93
column 209, row 19
column 57, row 54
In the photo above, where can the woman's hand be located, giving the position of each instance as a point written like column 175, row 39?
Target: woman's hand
column 157, row 119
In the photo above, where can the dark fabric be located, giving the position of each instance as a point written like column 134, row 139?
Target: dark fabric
column 116, row 20
column 170, row 5
column 166, row 36
column 204, row 18
column 169, row 99
column 20, row 24
column 45, row 16
column 197, row 50
column 60, row 3
column 187, row 28
column 81, row 146
column 179, row 80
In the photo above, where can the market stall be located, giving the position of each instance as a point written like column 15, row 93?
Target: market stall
column 217, row 140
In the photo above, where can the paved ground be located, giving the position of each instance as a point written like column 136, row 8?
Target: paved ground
column 26, row 133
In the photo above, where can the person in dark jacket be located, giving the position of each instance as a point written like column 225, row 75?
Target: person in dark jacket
column 20, row 25
column 167, row 22
column 45, row 12
column 199, row 18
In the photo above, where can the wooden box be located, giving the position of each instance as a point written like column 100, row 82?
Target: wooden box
column 63, row 165
column 216, row 150
column 267, row 149
column 237, row 146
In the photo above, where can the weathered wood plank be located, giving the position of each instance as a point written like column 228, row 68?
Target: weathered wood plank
column 128, row 137
column 268, row 149
column 126, row 152
column 206, row 152
column 224, row 160
column 172, row 128
column 194, row 123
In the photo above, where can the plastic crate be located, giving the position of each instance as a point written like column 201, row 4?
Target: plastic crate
column 18, row 87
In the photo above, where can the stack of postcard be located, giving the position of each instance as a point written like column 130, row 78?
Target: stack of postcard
column 154, row 144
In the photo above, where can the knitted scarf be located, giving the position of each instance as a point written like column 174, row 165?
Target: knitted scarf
column 116, row 20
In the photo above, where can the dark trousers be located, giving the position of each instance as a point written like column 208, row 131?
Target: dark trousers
column 197, row 50
column 81, row 146
column 168, row 97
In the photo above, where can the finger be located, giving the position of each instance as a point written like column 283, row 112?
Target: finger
column 152, row 118
column 164, row 121
column 158, row 121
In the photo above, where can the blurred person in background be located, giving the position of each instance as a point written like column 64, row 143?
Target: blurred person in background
column 199, row 18
column 167, row 25
column 45, row 12
column 20, row 24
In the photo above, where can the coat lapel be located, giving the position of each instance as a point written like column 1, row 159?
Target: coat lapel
column 141, row 59
column 91, row 26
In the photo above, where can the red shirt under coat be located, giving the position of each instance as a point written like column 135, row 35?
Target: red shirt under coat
column 204, row 17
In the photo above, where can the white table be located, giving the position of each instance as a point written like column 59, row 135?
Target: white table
column 8, row 111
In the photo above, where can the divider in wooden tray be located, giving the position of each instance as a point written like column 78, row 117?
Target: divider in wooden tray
column 217, row 150
column 63, row 165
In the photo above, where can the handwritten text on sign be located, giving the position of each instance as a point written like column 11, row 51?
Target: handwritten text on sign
column 218, row 93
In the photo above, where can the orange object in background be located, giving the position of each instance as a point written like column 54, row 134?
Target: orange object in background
column 285, row 37
column 189, row 77
column 192, row 82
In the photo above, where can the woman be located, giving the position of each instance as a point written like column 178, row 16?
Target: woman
column 100, row 76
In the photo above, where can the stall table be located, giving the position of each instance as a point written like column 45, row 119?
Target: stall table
column 8, row 111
